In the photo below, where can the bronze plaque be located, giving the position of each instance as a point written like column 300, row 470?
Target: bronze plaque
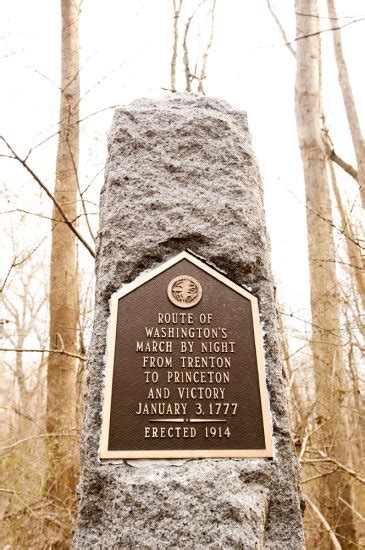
column 185, row 368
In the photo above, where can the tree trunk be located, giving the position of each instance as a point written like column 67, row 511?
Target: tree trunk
column 177, row 7
column 356, row 267
column 326, row 332
column 64, row 309
column 348, row 99
column 23, row 408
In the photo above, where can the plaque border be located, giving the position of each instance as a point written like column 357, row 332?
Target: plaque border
column 104, row 452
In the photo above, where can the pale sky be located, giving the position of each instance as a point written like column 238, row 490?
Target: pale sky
column 125, row 54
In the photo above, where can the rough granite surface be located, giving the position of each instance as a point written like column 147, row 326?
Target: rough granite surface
column 181, row 175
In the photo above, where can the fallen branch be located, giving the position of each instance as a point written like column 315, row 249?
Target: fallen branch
column 323, row 218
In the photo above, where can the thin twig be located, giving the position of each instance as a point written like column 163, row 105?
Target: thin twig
column 45, row 140
column 79, row 190
column 325, row 458
column 17, row 262
column 323, row 218
column 39, row 436
column 325, row 30
column 308, row 479
column 304, row 445
column 60, row 351
column 43, row 216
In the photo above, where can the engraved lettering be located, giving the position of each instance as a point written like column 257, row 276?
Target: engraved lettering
column 156, row 362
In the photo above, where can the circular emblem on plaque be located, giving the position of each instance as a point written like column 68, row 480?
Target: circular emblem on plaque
column 184, row 291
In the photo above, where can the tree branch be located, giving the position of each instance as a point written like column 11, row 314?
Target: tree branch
column 344, row 165
column 49, row 194
column 324, row 458
column 323, row 218
column 281, row 29
column 356, row 512
column 332, row 155
column 325, row 30
column 324, row 523
column 80, row 194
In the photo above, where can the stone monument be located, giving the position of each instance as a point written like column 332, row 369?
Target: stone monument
column 186, row 440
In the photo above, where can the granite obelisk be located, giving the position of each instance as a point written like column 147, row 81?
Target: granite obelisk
column 181, row 174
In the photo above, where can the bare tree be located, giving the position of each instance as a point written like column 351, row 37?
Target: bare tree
column 348, row 98
column 326, row 331
column 332, row 154
column 64, row 308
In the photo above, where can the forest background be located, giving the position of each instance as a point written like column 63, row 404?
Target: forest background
column 262, row 57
